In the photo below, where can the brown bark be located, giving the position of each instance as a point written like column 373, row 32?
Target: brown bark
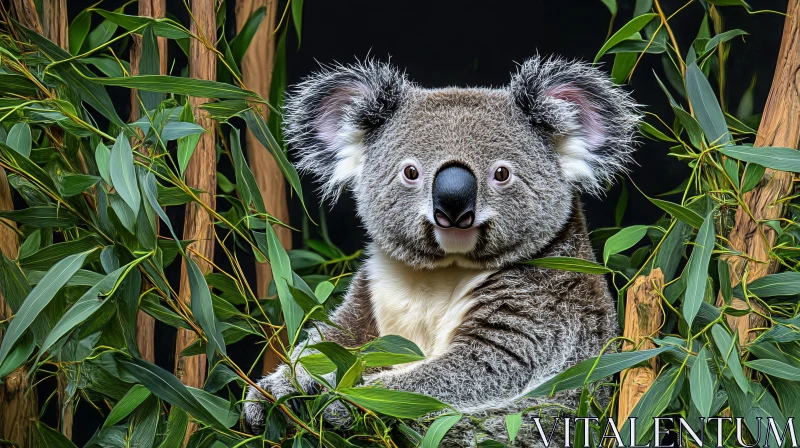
column 257, row 68
column 200, row 174
column 780, row 126
column 643, row 319
column 25, row 13
column 56, row 25
column 17, row 399
column 56, row 28
column 145, row 324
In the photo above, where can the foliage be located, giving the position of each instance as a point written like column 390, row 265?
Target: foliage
column 95, row 187
column 98, row 196
column 702, row 361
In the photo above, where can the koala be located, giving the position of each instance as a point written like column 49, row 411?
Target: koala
column 457, row 188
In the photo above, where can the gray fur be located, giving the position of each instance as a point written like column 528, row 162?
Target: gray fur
column 525, row 323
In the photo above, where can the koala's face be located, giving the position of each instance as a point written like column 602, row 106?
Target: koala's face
column 478, row 177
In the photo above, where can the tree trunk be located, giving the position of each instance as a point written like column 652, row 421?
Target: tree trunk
column 17, row 399
column 200, row 174
column 643, row 319
column 56, row 25
column 25, row 13
column 780, row 126
column 257, row 68
column 145, row 324
column 56, row 28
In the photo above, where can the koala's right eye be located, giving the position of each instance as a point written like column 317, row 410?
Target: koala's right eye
column 410, row 172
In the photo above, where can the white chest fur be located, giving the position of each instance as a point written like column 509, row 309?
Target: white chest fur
column 423, row 306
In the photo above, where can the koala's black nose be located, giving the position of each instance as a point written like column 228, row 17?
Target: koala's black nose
column 454, row 192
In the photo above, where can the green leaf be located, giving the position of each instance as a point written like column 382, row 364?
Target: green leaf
column 612, row 8
column 728, row 349
column 47, row 437
column 723, row 37
column 102, row 156
column 78, row 30
column 323, row 291
column 176, row 428
column 772, row 285
column 623, row 240
column 513, row 423
column 150, row 64
column 438, row 429
column 775, row 368
column 241, row 42
column 282, row 273
column 31, row 244
column 169, row 388
column 697, row 269
column 752, row 176
column 200, row 88
column 83, row 309
column 19, row 138
column 123, row 177
column 202, row 308
column 259, row 129
column 701, row 384
column 44, row 217
column 19, row 354
column 579, row 374
column 653, row 404
column 76, row 76
column 635, row 25
column 570, row 264
column 297, row 17
column 74, row 184
column 186, row 145
column 245, row 181
column 781, row 159
column 678, row 211
column 161, row 27
column 394, row 403
column 46, row 257
column 706, row 107
column 39, row 297
column 135, row 396
column 649, row 130
column 390, row 350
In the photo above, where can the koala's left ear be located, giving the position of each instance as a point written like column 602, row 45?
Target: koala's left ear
column 329, row 116
column 591, row 120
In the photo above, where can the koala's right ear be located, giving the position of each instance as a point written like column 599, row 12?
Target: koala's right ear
column 328, row 116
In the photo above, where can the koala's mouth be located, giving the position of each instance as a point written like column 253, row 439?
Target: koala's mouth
column 457, row 241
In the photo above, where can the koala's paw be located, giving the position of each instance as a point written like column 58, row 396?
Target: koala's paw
column 278, row 385
column 337, row 415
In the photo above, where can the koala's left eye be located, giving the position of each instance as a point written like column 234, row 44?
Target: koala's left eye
column 501, row 174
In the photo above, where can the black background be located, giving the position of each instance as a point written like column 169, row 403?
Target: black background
column 478, row 43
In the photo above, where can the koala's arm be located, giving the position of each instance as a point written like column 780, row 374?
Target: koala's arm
column 356, row 327
column 514, row 338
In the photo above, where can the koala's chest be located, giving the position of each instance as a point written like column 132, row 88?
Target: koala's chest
column 425, row 307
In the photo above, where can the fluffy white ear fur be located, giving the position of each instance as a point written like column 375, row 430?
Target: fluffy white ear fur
column 584, row 137
column 349, row 146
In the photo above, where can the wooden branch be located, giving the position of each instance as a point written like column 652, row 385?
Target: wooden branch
column 17, row 399
column 257, row 68
column 200, row 174
column 56, row 24
column 780, row 126
column 643, row 319
column 25, row 13
column 145, row 324
column 56, row 28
